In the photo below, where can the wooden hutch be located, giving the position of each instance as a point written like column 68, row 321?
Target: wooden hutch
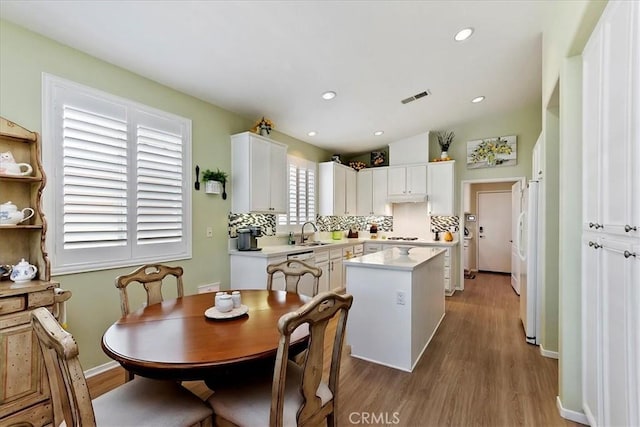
column 24, row 390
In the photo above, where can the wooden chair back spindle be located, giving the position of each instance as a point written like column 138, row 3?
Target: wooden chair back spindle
column 293, row 271
column 151, row 276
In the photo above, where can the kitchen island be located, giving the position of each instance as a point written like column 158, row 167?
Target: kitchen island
column 398, row 304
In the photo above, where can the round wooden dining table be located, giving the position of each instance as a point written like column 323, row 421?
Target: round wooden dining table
column 174, row 340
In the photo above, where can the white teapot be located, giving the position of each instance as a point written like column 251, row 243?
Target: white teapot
column 10, row 215
column 23, row 271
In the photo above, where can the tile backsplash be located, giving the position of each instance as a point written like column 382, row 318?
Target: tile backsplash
column 411, row 220
column 444, row 223
column 266, row 221
column 356, row 223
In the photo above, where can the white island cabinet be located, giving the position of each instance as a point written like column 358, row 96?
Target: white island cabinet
column 398, row 304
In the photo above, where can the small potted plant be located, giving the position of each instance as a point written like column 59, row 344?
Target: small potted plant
column 214, row 182
column 445, row 139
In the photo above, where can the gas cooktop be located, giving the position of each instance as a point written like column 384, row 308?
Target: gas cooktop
column 401, row 238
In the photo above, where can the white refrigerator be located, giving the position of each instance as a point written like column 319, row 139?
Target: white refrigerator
column 529, row 250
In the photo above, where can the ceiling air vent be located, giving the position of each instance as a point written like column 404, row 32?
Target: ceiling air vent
column 416, row 96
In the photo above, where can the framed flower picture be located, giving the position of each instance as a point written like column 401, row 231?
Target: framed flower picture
column 492, row 152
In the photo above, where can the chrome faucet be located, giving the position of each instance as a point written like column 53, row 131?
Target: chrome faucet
column 302, row 238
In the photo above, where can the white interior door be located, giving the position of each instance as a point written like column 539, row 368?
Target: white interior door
column 494, row 231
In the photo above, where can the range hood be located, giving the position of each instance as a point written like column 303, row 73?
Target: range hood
column 407, row 198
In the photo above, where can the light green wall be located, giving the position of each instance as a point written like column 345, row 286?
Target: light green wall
column 567, row 26
column 525, row 123
column 24, row 56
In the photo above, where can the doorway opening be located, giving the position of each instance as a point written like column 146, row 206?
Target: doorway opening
column 493, row 226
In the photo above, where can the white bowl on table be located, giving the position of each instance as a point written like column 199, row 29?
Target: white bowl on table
column 404, row 250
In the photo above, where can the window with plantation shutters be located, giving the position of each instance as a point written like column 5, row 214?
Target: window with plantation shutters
column 117, row 191
column 301, row 192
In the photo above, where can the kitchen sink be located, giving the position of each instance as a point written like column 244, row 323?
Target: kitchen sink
column 313, row 244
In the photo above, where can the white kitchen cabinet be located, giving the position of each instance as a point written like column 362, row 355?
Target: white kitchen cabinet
column 407, row 181
column 322, row 262
column 258, row 174
column 450, row 271
column 611, row 218
column 336, row 279
column 337, row 189
column 372, row 192
column 250, row 272
column 441, row 188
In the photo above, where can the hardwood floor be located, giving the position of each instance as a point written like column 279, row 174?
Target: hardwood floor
column 477, row 371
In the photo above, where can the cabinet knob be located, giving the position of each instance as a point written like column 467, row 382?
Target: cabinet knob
column 628, row 228
column 628, row 254
column 595, row 225
column 594, row 245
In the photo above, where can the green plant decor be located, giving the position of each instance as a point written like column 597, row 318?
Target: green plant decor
column 218, row 175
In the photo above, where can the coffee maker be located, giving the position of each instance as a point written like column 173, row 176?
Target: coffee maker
column 247, row 238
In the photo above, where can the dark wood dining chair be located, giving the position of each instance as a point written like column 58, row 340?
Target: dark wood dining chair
column 293, row 271
column 151, row 277
column 141, row 402
column 294, row 395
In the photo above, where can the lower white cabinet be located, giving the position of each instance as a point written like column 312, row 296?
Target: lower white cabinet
column 611, row 330
column 450, row 271
column 250, row 272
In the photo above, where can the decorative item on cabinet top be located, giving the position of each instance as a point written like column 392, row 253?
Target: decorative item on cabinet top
column 379, row 158
column 263, row 127
column 445, row 139
column 357, row 165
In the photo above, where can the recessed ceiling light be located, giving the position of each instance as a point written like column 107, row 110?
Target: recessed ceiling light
column 378, row 132
column 312, row 133
column 329, row 95
column 477, row 99
column 463, row 34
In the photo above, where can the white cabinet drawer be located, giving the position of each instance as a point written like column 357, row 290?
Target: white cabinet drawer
column 358, row 249
column 321, row 256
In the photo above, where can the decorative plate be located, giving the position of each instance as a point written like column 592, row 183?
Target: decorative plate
column 213, row 313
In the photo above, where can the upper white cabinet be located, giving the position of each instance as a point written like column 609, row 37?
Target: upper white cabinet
column 372, row 192
column 440, row 188
column 611, row 132
column 337, row 189
column 611, row 218
column 258, row 175
column 407, row 181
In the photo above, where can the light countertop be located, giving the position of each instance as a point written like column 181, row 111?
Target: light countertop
column 269, row 251
column 392, row 259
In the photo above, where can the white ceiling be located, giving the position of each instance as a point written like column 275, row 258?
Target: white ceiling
column 275, row 58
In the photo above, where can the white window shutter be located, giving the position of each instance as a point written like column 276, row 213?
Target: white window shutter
column 94, row 170
column 159, row 210
column 119, row 180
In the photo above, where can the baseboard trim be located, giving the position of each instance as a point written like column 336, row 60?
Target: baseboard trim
column 548, row 353
column 101, row 369
column 575, row 416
